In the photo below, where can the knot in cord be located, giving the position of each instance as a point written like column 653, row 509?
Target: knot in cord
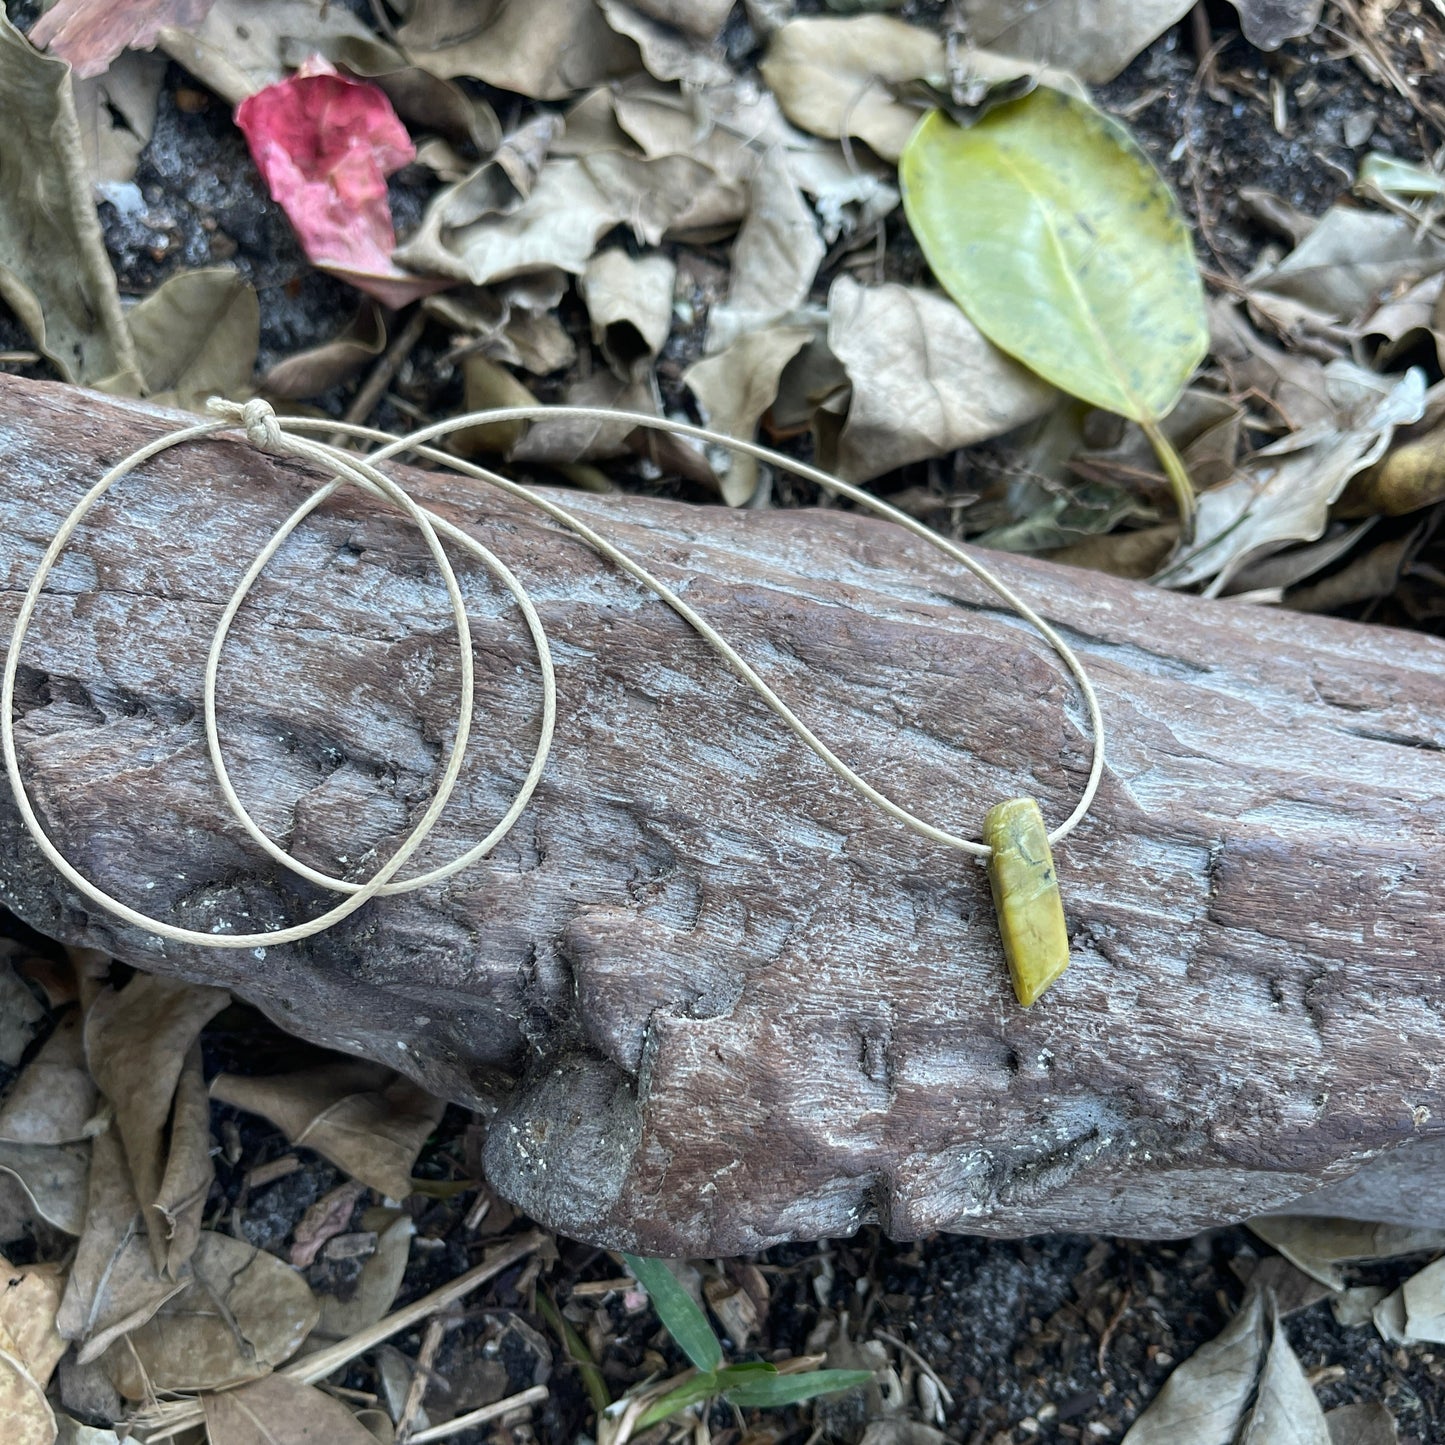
column 263, row 430
column 256, row 417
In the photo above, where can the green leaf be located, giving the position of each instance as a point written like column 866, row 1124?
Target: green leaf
column 592, row 1378
column 693, row 1392
column 1066, row 248
column 678, row 1311
column 771, row 1390
column 731, row 1376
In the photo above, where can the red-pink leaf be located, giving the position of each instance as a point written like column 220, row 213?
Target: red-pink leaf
column 91, row 33
column 324, row 145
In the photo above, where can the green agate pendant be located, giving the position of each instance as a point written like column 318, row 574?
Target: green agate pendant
column 1026, row 896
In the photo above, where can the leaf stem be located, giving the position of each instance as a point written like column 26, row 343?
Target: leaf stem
column 1178, row 474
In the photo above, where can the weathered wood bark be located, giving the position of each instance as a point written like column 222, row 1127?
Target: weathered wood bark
column 718, row 1000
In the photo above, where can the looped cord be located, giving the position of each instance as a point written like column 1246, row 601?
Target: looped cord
column 271, row 434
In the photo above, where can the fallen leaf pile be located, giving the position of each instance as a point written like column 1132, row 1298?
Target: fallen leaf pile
column 651, row 223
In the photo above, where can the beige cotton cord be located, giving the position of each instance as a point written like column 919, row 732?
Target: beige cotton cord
column 286, row 437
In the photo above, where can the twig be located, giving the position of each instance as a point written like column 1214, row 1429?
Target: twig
column 421, row 1378
column 1112, row 1326
column 533, row 1396
column 944, row 1393
column 388, row 364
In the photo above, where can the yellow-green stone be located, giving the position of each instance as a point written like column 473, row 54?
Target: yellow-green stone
column 1026, row 896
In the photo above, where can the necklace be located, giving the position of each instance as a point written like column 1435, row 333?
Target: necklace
column 1016, row 844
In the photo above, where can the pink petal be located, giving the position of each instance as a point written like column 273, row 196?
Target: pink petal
column 324, row 145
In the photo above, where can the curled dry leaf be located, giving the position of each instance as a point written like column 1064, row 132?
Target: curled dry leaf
column 367, row 1120
column 375, row 1291
column 547, row 49
column 1093, row 39
column 667, row 53
column 54, row 1178
column 324, row 145
column 141, row 1044
column 734, row 389
column 1351, row 259
column 54, row 1099
column 113, row 1285
column 1202, row 1402
column 1423, row 1295
column 243, row 1313
column 775, row 258
column 90, row 34
column 319, row 368
column 1319, row 1246
column 1286, row 1411
column 1283, row 493
column 196, row 336
column 629, row 300
column 571, row 205
column 328, row 1217
column 278, row 1409
column 925, row 379
column 1411, row 476
column 54, row 271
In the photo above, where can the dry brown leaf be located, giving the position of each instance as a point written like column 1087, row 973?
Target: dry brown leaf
column 308, row 373
column 116, row 113
column 29, row 1300
column 572, row 204
column 1423, row 1295
column 195, row 336
column 113, row 1286
column 72, row 1432
column 843, row 77
column 1286, row 1412
column 54, row 1099
column 775, row 258
column 734, row 389
column 1370, row 1424
column 91, row 33
column 487, row 385
column 21, row 1012
column 25, row 1414
column 54, row 1178
column 1202, row 1401
column 925, row 379
column 629, row 300
column 243, row 1313
column 564, row 441
column 281, row 1411
column 1319, row 1246
column 1349, row 260
column 329, row 1216
column 367, row 1120
column 547, row 49
column 1095, row 39
column 376, row 1289
column 54, row 271
column 667, row 53
column 139, row 1044
column 1283, row 492
column 702, row 19
column 1411, row 476
column 243, row 45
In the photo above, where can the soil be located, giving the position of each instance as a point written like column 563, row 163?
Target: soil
column 1060, row 1338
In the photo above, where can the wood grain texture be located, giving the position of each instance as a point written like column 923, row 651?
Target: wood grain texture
column 715, row 999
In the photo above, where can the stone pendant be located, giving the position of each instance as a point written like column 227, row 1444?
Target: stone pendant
column 1026, row 897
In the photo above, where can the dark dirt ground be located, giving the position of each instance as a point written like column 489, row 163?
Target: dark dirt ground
column 1059, row 1338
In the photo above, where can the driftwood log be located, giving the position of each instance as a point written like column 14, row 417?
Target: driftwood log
column 710, row 998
